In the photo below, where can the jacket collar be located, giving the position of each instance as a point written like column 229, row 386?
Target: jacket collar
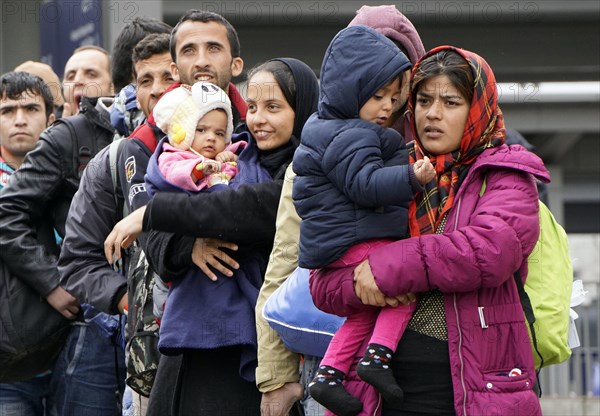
column 96, row 111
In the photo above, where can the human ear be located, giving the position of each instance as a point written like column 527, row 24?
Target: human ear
column 174, row 71
column 237, row 65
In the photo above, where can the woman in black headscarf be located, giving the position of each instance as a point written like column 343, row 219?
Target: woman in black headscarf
column 226, row 231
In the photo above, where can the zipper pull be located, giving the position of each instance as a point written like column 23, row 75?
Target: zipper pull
column 482, row 317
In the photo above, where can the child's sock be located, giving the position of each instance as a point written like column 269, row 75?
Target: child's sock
column 375, row 369
column 327, row 389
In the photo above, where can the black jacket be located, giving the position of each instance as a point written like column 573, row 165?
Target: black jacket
column 95, row 210
column 245, row 216
column 38, row 195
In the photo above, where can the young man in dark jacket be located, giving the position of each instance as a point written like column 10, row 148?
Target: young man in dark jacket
column 97, row 207
column 34, row 207
column 26, row 109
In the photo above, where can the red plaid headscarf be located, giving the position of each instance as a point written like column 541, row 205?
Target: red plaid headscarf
column 484, row 129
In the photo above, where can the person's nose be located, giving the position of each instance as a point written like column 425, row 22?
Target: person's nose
column 78, row 79
column 20, row 117
column 259, row 117
column 387, row 105
column 158, row 88
column 201, row 60
column 435, row 110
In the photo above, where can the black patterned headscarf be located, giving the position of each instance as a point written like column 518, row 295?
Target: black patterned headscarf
column 304, row 101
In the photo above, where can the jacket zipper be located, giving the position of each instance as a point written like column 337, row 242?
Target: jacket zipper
column 460, row 340
column 378, row 404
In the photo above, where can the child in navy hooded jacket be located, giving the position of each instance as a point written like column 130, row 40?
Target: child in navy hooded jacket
column 352, row 191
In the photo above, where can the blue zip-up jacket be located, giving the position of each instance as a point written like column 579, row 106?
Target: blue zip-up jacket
column 353, row 182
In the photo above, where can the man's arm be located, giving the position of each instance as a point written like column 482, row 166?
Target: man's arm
column 84, row 270
column 24, row 212
column 225, row 215
column 169, row 255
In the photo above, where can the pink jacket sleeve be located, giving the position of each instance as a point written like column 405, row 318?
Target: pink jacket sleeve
column 177, row 166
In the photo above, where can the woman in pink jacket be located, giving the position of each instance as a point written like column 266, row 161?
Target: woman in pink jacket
column 468, row 331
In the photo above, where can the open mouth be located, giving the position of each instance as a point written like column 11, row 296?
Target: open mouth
column 203, row 77
column 77, row 98
column 433, row 132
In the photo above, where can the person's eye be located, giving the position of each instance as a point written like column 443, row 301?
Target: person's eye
column 144, row 82
column 214, row 48
column 252, row 107
column 273, row 107
column 221, row 134
column 422, row 101
column 33, row 109
column 6, row 111
column 200, row 130
column 378, row 97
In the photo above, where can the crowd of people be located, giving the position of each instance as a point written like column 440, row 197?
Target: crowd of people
column 370, row 177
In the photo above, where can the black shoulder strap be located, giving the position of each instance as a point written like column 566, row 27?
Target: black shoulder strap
column 530, row 316
column 84, row 149
column 527, row 310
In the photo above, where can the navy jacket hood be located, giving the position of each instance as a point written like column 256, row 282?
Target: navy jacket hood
column 357, row 63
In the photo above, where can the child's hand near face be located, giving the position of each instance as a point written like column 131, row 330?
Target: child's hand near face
column 204, row 169
column 209, row 167
column 226, row 156
column 424, row 170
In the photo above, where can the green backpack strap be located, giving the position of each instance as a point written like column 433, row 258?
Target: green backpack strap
column 483, row 186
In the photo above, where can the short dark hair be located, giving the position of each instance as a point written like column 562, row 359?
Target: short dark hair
column 154, row 44
column 129, row 36
column 205, row 17
column 14, row 84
